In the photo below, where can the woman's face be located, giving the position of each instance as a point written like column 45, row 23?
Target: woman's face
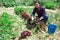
column 37, row 5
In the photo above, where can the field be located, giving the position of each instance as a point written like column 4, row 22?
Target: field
column 11, row 25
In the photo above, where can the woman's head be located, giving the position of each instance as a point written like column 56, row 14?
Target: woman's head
column 37, row 4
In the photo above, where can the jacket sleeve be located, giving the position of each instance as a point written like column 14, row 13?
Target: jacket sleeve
column 34, row 11
column 43, row 12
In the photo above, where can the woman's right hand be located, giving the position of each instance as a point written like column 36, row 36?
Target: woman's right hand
column 32, row 18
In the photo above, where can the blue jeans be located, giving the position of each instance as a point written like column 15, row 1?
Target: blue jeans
column 45, row 18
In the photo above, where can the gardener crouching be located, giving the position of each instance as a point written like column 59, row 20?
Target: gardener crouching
column 42, row 16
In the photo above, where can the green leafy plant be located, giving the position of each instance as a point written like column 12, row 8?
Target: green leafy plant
column 9, row 3
column 17, row 10
column 6, row 25
column 50, row 5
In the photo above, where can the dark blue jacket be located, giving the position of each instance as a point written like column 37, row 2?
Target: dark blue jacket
column 40, row 12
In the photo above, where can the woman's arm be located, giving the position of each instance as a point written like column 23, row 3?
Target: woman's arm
column 33, row 13
column 43, row 13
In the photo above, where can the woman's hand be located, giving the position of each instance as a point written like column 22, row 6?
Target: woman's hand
column 32, row 18
column 41, row 18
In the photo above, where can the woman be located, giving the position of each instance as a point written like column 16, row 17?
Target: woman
column 42, row 16
column 40, row 12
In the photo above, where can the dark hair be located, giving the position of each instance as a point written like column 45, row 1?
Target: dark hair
column 36, row 2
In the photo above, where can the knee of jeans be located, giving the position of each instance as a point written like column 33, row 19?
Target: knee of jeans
column 45, row 20
column 46, row 16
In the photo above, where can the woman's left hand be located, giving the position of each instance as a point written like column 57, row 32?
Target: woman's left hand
column 41, row 18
